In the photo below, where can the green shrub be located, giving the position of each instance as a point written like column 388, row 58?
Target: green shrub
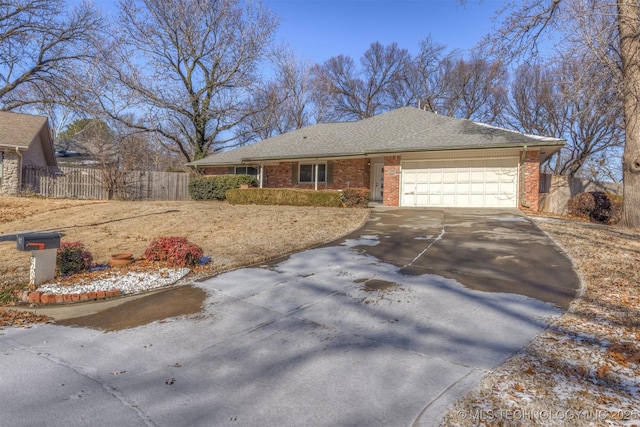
column 72, row 257
column 175, row 251
column 285, row 196
column 355, row 197
column 216, row 187
column 595, row 206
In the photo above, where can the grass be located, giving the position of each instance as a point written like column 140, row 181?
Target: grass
column 230, row 235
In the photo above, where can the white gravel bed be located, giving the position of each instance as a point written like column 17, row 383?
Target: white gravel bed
column 129, row 283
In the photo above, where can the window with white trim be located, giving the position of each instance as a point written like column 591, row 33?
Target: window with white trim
column 307, row 172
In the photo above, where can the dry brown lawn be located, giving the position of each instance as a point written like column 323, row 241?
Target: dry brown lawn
column 231, row 235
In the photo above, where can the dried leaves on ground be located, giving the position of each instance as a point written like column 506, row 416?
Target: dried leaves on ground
column 21, row 319
column 585, row 369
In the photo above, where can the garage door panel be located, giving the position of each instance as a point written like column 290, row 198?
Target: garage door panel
column 464, row 175
column 473, row 183
column 448, row 199
column 464, row 188
column 492, row 188
column 449, row 175
column 462, row 200
column 477, row 187
column 421, row 176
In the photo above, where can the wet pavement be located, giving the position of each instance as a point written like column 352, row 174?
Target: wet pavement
column 388, row 326
column 485, row 250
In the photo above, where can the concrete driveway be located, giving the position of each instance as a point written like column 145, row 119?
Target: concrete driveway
column 387, row 327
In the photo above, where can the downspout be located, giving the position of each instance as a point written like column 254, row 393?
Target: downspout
column 19, row 169
column 523, row 200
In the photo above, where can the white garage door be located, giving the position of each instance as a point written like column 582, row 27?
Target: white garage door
column 463, row 183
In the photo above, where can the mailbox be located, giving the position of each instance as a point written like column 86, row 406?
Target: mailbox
column 37, row 241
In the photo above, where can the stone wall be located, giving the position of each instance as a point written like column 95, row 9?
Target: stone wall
column 11, row 173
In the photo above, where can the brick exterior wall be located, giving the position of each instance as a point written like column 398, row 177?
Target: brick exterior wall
column 11, row 173
column 278, row 176
column 392, row 171
column 531, row 180
column 216, row 170
column 356, row 173
column 351, row 173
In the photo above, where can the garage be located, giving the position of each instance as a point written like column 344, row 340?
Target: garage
column 489, row 183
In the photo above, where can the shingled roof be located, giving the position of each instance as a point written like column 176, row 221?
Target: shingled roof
column 402, row 130
column 20, row 130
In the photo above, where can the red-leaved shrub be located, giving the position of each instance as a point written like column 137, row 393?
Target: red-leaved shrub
column 72, row 257
column 175, row 251
column 595, row 206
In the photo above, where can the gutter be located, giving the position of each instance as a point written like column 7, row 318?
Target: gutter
column 382, row 152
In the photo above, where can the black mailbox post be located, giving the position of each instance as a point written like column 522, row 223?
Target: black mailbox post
column 37, row 241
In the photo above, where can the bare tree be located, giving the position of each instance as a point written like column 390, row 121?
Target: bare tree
column 602, row 28
column 536, row 105
column 447, row 83
column 572, row 99
column 354, row 93
column 283, row 104
column 183, row 70
column 42, row 42
column 475, row 88
column 424, row 83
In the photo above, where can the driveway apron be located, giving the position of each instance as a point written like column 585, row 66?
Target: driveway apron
column 386, row 327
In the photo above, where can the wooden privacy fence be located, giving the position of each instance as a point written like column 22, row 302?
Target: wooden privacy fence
column 556, row 190
column 90, row 183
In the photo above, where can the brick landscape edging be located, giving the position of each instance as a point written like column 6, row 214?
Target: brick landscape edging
column 36, row 297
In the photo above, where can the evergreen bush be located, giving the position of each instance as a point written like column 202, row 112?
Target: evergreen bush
column 72, row 257
column 216, row 187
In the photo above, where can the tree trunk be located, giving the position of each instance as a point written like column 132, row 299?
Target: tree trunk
column 629, row 27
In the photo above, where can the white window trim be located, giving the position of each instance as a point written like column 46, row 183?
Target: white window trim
column 314, row 172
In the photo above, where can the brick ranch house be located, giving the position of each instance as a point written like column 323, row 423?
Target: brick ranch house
column 405, row 157
column 25, row 140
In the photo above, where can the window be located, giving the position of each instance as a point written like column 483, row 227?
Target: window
column 246, row 170
column 308, row 173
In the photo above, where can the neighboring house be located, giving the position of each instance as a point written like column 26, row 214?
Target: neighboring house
column 71, row 153
column 406, row 157
column 25, row 140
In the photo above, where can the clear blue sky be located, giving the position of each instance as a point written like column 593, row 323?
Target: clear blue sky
column 320, row 29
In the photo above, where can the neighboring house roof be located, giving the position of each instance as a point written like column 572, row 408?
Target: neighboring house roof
column 18, row 131
column 402, row 130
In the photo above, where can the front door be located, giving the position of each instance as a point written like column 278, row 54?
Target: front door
column 378, row 181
